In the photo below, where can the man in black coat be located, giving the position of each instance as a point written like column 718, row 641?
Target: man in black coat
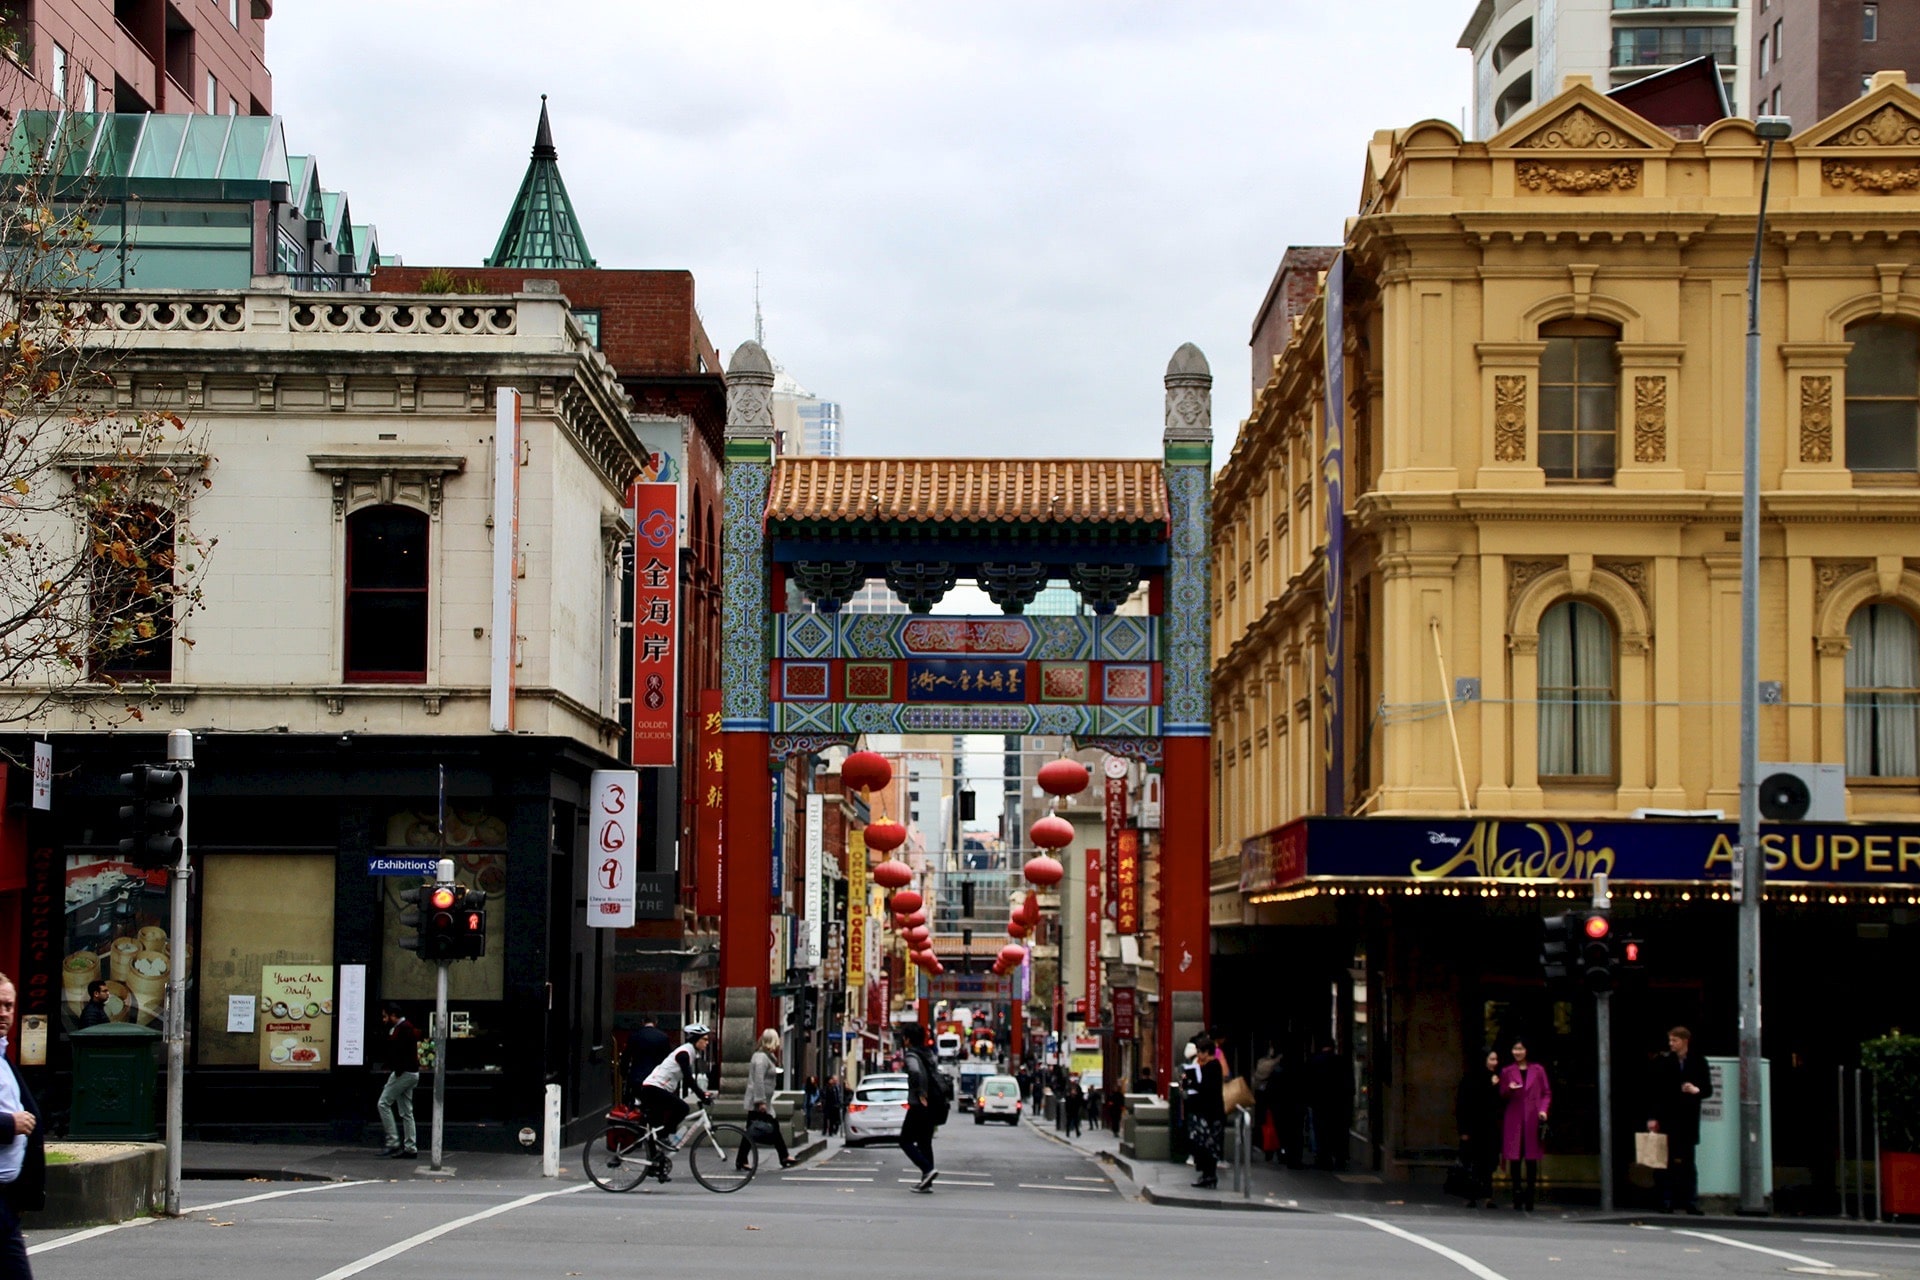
column 1680, row 1083
column 23, row 1155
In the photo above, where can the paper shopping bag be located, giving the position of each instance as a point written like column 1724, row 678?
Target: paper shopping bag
column 1650, row 1149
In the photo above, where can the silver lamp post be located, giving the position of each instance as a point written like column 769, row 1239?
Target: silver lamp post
column 1752, row 866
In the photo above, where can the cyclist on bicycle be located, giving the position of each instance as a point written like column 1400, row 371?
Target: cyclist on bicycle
column 668, row 1083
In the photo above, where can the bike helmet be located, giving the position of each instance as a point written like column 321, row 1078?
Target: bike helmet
column 697, row 1029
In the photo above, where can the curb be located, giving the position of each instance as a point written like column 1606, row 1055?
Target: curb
column 1723, row 1222
column 1195, row 1202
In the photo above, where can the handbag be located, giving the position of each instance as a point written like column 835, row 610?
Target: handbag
column 1650, row 1149
column 1237, row 1093
column 761, row 1131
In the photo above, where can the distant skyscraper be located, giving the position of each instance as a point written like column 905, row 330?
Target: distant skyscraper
column 1813, row 57
column 807, row 426
column 1524, row 49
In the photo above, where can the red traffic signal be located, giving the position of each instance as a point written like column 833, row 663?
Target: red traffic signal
column 1596, row 926
column 1631, row 952
column 443, row 897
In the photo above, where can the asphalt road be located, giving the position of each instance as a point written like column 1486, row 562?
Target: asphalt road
column 1008, row 1200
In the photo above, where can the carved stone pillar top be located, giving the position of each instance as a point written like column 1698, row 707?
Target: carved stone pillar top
column 1189, row 384
column 750, row 394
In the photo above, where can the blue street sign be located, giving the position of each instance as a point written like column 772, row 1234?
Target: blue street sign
column 401, row 864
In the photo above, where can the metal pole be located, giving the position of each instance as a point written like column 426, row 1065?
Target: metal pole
column 1876, row 1151
column 439, row 1057
column 180, row 756
column 1859, row 1144
column 1752, row 864
column 1603, row 1028
column 1840, row 1128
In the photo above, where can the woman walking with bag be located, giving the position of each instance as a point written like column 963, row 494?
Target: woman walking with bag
column 763, row 1076
column 1529, row 1097
column 1205, row 1110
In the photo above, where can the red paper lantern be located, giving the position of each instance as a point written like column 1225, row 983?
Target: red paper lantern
column 885, row 835
column 1030, row 910
column 1063, row 778
column 922, row 959
column 916, row 918
column 865, row 771
column 1012, row 954
column 917, row 935
column 1051, row 832
column 906, row 900
column 894, row 874
column 1043, row 871
column 899, row 920
column 1016, row 928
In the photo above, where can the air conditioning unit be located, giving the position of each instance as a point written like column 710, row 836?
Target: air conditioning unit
column 1803, row 792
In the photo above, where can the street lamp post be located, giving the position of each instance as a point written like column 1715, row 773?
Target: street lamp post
column 1752, row 867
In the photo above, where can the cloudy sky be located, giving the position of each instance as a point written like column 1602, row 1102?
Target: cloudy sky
column 982, row 227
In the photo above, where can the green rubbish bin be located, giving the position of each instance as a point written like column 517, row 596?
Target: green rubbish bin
column 113, row 1081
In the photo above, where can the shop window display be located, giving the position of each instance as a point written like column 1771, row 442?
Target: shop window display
column 266, row 970
column 117, row 933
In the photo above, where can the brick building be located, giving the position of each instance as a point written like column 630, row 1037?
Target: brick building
column 1813, row 57
column 136, row 55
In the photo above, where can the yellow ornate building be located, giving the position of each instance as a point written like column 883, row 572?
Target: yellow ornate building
column 1540, row 390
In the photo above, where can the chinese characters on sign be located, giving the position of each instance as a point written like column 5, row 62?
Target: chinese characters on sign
column 1123, row 1013
column 1093, row 938
column 1114, row 816
column 656, row 585
column 613, row 828
column 966, row 680
column 710, row 780
column 1126, row 916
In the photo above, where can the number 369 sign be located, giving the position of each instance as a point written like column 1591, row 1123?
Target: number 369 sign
column 613, row 827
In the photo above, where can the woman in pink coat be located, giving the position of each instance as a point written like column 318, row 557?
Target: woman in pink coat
column 1529, row 1097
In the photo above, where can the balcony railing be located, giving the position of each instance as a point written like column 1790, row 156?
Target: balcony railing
column 1620, row 5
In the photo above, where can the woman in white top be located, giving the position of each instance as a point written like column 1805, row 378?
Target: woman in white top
column 763, row 1076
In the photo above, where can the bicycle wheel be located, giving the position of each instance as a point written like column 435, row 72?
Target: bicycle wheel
column 722, row 1159
column 617, row 1159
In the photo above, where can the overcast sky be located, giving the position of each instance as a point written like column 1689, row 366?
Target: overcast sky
column 981, row 227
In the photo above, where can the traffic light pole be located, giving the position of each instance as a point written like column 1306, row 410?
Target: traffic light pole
column 1603, row 1029
column 439, row 1057
column 180, row 756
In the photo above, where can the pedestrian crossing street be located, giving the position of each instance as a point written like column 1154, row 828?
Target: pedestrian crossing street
column 850, row 1170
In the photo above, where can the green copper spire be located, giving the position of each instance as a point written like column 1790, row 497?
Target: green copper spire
column 542, row 231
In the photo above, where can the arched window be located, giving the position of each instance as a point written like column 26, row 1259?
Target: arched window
column 1576, row 692
column 386, row 623
column 1883, row 693
column 1883, row 397
column 1579, row 400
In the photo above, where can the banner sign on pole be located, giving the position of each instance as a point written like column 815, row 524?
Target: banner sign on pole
column 1123, row 1028
column 43, row 775
column 816, row 874
column 710, row 778
column 656, row 586
column 1114, row 816
column 856, row 912
column 1126, row 914
column 1093, row 937
column 613, row 807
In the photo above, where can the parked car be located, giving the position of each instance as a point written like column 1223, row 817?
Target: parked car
column 876, row 1110
column 999, row 1099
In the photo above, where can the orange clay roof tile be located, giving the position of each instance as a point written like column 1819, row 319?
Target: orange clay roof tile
column 1054, row 490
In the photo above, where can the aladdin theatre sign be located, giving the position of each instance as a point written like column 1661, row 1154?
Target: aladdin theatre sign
column 1525, row 850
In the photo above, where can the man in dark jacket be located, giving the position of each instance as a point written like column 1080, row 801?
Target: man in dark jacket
column 647, row 1048
column 403, row 1075
column 23, row 1156
column 1680, row 1083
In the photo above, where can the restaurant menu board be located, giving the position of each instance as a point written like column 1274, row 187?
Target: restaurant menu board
column 296, row 1017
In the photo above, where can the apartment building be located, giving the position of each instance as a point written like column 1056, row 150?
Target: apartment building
column 127, row 56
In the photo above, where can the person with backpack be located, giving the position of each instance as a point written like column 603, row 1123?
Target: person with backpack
column 928, row 1105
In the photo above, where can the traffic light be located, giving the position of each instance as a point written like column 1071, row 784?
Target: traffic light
column 1556, row 950
column 470, row 919
column 410, row 931
column 152, row 823
column 1596, row 951
column 439, row 928
column 1629, row 962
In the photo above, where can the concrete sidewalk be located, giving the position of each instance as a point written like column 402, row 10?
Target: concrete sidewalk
column 1278, row 1189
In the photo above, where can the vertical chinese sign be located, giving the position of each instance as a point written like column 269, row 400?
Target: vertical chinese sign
column 710, row 779
column 816, row 875
column 856, row 917
column 614, row 803
column 1093, row 938
column 1126, row 914
column 1113, row 817
column 656, row 587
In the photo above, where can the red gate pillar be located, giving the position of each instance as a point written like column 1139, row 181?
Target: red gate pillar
column 746, row 711
column 1186, row 620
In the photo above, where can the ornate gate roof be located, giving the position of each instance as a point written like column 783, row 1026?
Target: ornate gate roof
column 964, row 491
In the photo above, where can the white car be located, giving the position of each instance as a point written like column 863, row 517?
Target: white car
column 876, row 1110
column 999, row 1099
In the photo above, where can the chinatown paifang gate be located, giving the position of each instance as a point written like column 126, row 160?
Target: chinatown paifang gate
column 1132, row 686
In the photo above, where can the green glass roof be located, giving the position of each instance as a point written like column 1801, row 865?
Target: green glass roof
column 203, row 156
column 542, row 231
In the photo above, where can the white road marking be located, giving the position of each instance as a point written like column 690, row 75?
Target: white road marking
column 1071, row 1178
column 434, row 1233
column 1452, row 1255
column 1729, row 1241
column 1054, row 1186
column 88, row 1234
column 76, row 1237
column 788, row 1177
column 944, row 1182
column 1858, row 1244
column 274, row 1195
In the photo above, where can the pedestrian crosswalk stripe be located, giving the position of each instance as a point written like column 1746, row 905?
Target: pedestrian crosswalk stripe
column 808, row 1177
column 1054, row 1186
